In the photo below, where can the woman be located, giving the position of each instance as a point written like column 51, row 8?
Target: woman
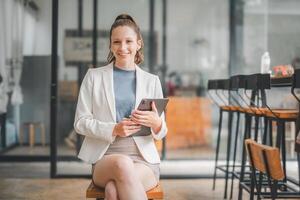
column 107, row 116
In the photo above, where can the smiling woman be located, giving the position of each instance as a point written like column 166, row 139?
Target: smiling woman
column 125, row 31
column 126, row 166
column 124, row 46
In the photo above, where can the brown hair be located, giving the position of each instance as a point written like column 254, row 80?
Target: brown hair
column 127, row 20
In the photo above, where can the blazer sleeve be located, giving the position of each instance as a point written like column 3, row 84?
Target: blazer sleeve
column 159, row 94
column 85, row 123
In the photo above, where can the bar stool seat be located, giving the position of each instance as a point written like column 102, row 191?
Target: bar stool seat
column 254, row 110
column 282, row 113
column 236, row 108
column 226, row 108
column 99, row 193
column 230, row 108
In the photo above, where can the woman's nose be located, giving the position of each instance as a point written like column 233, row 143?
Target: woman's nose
column 123, row 46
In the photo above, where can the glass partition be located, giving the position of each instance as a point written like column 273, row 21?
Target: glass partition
column 25, row 46
column 273, row 26
column 197, row 50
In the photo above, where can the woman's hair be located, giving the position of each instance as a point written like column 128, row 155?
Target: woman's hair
column 127, row 20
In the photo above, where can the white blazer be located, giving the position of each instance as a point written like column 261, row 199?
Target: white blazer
column 95, row 115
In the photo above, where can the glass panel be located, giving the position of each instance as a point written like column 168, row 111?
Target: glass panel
column 25, row 42
column 71, row 49
column 273, row 26
column 75, row 57
column 197, row 50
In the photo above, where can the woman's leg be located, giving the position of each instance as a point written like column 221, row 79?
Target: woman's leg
column 111, row 191
column 119, row 168
column 146, row 176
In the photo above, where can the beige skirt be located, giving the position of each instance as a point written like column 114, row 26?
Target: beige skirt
column 126, row 146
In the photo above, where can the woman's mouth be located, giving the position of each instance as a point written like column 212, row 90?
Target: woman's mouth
column 123, row 54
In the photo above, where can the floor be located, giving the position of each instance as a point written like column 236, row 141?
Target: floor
column 38, row 189
column 31, row 181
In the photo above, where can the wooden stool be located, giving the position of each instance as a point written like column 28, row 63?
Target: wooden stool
column 264, row 159
column 98, row 193
column 31, row 130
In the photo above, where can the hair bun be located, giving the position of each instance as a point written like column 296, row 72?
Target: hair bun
column 125, row 17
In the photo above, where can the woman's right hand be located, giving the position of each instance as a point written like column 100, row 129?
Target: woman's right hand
column 125, row 128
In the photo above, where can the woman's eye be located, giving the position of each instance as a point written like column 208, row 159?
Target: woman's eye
column 116, row 42
column 129, row 41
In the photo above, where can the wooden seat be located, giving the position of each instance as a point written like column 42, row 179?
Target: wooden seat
column 235, row 108
column 254, row 110
column 283, row 113
column 98, row 193
column 230, row 108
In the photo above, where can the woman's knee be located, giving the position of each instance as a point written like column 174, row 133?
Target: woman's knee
column 111, row 191
column 123, row 168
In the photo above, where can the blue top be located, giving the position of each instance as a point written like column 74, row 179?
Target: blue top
column 124, row 88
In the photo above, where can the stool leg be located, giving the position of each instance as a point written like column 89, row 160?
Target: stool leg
column 218, row 147
column 256, row 128
column 279, row 134
column 234, row 152
column 43, row 134
column 298, row 159
column 252, row 183
column 271, row 132
column 260, row 184
column 243, row 161
column 21, row 133
column 31, row 135
column 230, row 114
column 264, row 141
column 283, row 150
column 274, row 189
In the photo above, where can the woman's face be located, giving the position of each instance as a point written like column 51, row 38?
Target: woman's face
column 124, row 44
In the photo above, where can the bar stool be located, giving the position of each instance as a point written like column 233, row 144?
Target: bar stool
column 31, row 127
column 296, row 85
column 281, row 116
column 245, row 106
column 236, row 83
column 226, row 106
column 216, row 85
column 266, row 160
column 257, row 83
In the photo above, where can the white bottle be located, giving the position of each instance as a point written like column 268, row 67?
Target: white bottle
column 265, row 63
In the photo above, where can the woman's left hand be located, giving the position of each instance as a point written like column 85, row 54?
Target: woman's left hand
column 148, row 118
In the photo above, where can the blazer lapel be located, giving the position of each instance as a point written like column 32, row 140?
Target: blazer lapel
column 139, row 90
column 109, row 90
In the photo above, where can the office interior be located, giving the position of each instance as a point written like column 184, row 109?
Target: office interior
column 47, row 47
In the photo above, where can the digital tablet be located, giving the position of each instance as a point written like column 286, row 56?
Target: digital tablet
column 145, row 105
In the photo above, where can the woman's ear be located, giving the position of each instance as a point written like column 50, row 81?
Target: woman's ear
column 139, row 43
